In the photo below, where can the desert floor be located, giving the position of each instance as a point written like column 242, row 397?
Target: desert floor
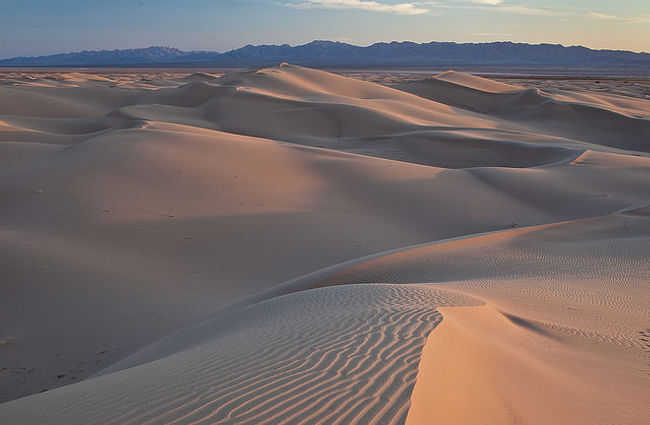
column 294, row 246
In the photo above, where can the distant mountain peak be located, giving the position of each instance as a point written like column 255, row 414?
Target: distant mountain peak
column 337, row 53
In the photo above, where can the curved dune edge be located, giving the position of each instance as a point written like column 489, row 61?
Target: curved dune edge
column 478, row 367
column 345, row 354
column 331, row 276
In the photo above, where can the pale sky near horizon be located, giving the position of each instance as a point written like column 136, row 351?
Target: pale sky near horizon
column 36, row 27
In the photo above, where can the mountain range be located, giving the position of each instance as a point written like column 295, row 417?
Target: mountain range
column 337, row 54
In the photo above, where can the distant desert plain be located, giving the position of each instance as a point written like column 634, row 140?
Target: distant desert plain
column 296, row 246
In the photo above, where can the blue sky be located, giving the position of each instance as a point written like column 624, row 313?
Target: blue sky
column 33, row 27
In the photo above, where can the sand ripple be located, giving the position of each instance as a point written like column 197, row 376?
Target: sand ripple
column 347, row 354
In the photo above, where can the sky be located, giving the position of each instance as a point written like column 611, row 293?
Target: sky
column 38, row 27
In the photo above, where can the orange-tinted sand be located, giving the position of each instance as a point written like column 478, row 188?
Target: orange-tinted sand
column 290, row 246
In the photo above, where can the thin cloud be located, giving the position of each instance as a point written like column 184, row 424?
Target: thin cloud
column 606, row 17
column 419, row 7
column 494, row 6
column 523, row 10
column 490, row 2
column 369, row 5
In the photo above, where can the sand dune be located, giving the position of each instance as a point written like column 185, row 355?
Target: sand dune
column 589, row 119
column 333, row 355
column 288, row 245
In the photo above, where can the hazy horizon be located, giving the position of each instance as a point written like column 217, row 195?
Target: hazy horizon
column 72, row 25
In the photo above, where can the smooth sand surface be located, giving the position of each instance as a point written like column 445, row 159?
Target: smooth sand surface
column 288, row 245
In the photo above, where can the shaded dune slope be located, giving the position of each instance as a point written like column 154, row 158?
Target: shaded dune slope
column 608, row 120
column 334, row 355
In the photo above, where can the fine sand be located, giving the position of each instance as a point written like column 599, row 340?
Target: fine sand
column 292, row 246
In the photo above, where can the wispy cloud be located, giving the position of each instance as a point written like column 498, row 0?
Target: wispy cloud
column 408, row 8
column 523, row 10
column 491, row 2
column 416, row 7
column 606, row 17
column 500, row 6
